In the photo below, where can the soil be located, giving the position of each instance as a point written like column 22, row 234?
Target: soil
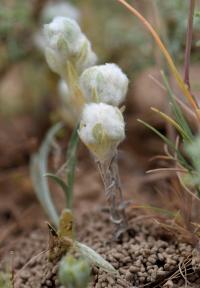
column 146, row 256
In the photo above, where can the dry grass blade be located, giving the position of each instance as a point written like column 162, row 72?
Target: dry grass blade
column 171, row 122
column 166, row 169
column 161, row 157
column 174, row 274
column 182, row 85
column 184, row 106
column 29, row 262
column 183, row 273
column 187, row 189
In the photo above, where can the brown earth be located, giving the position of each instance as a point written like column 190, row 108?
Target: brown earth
column 146, row 256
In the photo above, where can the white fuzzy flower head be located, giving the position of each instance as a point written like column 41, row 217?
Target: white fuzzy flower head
column 104, row 83
column 52, row 10
column 65, row 42
column 102, row 128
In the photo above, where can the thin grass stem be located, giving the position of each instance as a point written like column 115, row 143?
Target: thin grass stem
column 181, row 83
column 189, row 43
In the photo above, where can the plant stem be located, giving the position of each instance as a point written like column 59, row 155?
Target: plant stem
column 188, row 43
column 112, row 185
column 71, row 165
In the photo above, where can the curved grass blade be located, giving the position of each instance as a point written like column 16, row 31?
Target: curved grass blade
column 173, row 123
column 166, row 54
column 58, row 181
column 38, row 168
column 176, row 110
column 169, row 143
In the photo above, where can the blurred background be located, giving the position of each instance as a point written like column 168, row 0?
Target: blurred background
column 29, row 100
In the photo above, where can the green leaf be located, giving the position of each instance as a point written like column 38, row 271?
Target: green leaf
column 173, row 123
column 176, row 110
column 169, row 143
column 94, row 258
column 71, row 165
column 38, row 167
column 58, row 181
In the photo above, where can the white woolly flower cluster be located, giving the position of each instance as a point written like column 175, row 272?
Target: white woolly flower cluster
column 50, row 11
column 102, row 128
column 104, row 83
column 102, row 87
column 64, row 9
column 65, row 42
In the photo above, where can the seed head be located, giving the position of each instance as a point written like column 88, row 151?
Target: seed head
column 65, row 42
column 102, row 128
column 104, row 83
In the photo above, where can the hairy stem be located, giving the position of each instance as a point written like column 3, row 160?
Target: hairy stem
column 112, row 185
column 188, row 43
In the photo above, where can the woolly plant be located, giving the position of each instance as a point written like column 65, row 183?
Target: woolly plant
column 92, row 95
column 68, row 53
column 102, row 129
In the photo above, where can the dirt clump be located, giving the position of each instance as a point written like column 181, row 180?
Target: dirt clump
column 145, row 256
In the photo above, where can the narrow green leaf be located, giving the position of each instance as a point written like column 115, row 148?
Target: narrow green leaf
column 58, row 181
column 94, row 258
column 169, row 143
column 38, row 167
column 177, row 111
column 71, row 165
column 173, row 123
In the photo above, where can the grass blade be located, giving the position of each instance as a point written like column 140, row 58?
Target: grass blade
column 167, row 56
column 173, row 123
column 71, row 165
column 58, row 181
column 176, row 110
column 169, row 143
column 38, row 167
